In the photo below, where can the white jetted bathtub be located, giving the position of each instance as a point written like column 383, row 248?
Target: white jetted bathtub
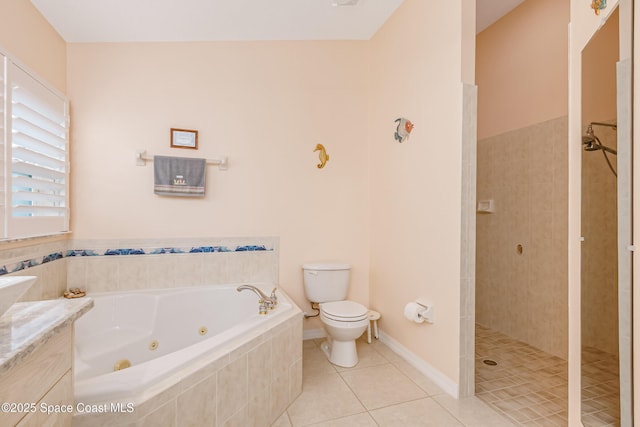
column 133, row 345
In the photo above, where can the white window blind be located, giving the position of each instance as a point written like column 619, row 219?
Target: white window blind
column 37, row 146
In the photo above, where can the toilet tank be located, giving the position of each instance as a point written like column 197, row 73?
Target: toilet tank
column 325, row 282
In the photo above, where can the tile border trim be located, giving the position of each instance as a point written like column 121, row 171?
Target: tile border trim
column 34, row 262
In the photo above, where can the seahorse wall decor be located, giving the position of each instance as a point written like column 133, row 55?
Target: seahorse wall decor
column 323, row 156
column 403, row 129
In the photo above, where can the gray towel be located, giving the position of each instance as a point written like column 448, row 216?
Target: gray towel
column 179, row 176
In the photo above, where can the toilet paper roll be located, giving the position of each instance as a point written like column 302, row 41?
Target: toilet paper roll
column 412, row 312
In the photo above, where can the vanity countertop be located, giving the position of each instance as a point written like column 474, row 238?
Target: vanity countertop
column 28, row 325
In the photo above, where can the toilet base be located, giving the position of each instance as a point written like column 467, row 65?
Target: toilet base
column 340, row 353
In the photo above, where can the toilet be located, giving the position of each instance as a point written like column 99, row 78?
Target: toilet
column 343, row 320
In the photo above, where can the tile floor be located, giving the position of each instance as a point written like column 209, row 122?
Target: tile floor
column 600, row 388
column 529, row 386
column 382, row 390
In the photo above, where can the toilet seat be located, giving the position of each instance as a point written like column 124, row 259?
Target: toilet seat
column 344, row 311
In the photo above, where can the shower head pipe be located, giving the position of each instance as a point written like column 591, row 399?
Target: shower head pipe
column 610, row 125
column 608, row 150
column 592, row 143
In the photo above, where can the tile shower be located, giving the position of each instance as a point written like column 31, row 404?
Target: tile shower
column 521, row 272
column 521, row 256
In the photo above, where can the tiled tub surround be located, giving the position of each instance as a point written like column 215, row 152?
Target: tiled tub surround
column 259, row 373
column 109, row 265
column 250, row 380
column 43, row 260
column 159, row 331
column 156, row 263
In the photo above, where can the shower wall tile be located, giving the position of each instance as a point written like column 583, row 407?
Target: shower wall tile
column 524, row 295
column 468, row 239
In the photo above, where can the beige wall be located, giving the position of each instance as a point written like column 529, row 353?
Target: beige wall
column 25, row 34
column 265, row 105
column 529, row 41
column 416, row 72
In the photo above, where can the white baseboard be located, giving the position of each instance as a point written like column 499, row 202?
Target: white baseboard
column 312, row 334
column 441, row 380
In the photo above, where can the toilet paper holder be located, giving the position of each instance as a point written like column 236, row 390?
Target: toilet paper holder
column 427, row 313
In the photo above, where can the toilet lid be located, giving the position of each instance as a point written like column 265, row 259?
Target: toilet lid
column 347, row 310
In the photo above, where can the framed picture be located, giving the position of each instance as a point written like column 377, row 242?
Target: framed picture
column 184, row 138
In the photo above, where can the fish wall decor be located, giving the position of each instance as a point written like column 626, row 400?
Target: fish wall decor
column 403, row 129
column 598, row 5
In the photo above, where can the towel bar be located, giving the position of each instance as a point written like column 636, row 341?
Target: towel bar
column 142, row 158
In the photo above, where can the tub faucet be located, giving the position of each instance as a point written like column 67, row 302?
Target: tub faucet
column 266, row 302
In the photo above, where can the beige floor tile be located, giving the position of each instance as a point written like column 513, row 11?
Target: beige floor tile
column 282, row 421
column 314, row 362
column 309, row 344
column 417, row 377
column 418, row 413
column 382, row 385
column 323, row 398
column 367, row 357
column 358, row 420
column 384, row 351
column 472, row 411
column 397, row 392
column 552, row 421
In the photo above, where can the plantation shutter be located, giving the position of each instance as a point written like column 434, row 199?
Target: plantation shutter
column 38, row 149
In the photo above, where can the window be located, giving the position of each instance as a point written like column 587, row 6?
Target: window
column 35, row 141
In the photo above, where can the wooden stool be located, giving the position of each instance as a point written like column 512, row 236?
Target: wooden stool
column 373, row 317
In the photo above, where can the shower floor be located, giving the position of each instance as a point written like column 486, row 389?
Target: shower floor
column 529, row 386
column 600, row 388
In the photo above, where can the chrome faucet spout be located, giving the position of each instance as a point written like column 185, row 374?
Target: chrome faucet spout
column 254, row 289
column 266, row 303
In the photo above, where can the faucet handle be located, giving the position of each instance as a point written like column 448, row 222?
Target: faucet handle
column 263, row 307
column 274, row 297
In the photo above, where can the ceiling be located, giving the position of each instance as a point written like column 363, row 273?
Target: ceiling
column 489, row 11
column 203, row 20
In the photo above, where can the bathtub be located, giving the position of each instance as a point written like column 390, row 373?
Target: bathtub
column 159, row 338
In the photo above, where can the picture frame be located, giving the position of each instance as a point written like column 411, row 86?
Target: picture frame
column 184, row 138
